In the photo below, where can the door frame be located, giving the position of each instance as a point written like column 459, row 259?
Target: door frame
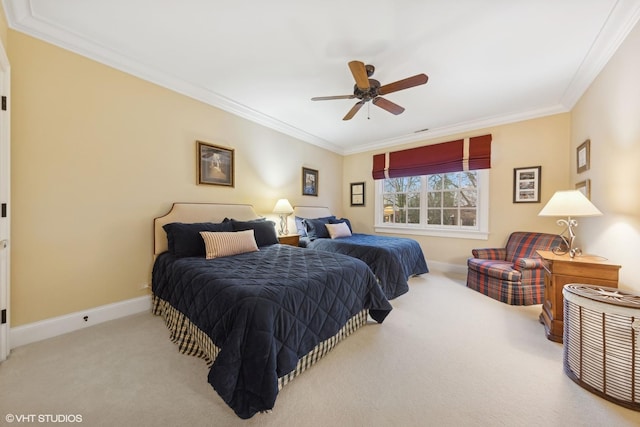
column 5, row 190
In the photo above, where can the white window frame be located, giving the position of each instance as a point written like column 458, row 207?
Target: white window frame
column 479, row 232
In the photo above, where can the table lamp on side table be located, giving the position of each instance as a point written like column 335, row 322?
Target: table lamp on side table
column 569, row 203
column 283, row 208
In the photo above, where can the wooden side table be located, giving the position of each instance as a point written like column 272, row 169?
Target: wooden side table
column 561, row 270
column 289, row 239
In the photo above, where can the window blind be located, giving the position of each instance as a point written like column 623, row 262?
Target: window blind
column 453, row 156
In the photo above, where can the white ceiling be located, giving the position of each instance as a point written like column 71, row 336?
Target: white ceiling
column 489, row 61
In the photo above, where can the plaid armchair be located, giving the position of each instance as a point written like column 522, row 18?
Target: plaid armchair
column 513, row 274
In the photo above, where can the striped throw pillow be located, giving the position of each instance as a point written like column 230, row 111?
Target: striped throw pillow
column 220, row 244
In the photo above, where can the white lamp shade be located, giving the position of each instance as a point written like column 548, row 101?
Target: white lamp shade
column 569, row 203
column 283, row 207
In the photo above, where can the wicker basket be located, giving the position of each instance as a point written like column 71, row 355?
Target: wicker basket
column 602, row 343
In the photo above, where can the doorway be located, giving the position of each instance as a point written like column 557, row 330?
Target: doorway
column 5, row 187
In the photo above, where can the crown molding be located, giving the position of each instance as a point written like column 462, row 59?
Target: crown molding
column 459, row 128
column 20, row 17
column 621, row 20
column 624, row 15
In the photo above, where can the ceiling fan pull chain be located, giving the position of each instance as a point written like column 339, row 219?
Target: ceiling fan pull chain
column 368, row 111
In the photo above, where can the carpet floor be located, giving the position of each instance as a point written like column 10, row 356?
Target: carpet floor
column 445, row 356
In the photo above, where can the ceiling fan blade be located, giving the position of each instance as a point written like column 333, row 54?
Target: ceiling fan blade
column 385, row 104
column 416, row 80
column 353, row 110
column 359, row 72
column 326, row 98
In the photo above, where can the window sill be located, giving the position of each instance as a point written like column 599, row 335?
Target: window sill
column 456, row 234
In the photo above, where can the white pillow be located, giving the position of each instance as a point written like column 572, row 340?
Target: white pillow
column 340, row 229
column 224, row 243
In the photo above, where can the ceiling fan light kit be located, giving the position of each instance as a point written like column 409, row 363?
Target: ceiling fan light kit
column 367, row 89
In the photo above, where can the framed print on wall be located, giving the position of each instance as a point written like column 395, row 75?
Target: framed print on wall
column 583, row 156
column 585, row 188
column 357, row 194
column 215, row 164
column 526, row 184
column 309, row 182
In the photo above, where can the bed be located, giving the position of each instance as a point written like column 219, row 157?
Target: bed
column 392, row 259
column 258, row 317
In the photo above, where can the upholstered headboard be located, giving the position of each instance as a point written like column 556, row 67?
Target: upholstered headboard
column 311, row 211
column 197, row 212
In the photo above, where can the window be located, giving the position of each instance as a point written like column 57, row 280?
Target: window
column 453, row 204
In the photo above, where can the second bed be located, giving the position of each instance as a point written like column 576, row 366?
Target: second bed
column 392, row 259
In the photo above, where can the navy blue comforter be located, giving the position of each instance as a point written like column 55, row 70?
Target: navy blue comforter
column 265, row 310
column 392, row 259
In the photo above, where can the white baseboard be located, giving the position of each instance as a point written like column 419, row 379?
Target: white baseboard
column 48, row 328
column 446, row 267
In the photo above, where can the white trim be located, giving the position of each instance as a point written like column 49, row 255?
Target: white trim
column 5, row 197
column 49, row 328
column 446, row 267
column 479, row 232
column 453, row 233
column 21, row 17
column 620, row 22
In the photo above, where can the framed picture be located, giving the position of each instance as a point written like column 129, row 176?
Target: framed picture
column 357, row 194
column 215, row 164
column 585, row 188
column 309, row 182
column 583, row 156
column 526, row 185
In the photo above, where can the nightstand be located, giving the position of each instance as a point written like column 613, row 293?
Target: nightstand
column 561, row 270
column 289, row 239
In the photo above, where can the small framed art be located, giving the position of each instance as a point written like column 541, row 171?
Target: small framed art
column 215, row 164
column 585, row 188
column 357, row 194
column 583, row 156
column 526, row 184
column 309, row 182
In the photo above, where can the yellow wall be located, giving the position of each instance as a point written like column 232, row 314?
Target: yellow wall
column 609, row 115
column 97, row 154
column 540, row 142
column 3, row 27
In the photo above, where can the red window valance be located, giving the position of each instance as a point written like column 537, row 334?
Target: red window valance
column 454, row 156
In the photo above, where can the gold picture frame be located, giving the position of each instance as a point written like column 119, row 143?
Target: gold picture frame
column 583, row 156
column 215, row 164
column 585, row 188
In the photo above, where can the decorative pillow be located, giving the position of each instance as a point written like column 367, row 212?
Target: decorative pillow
column 221, row 244
column 302, row 230
column 251, row 220
column 184, row 240
column 340, row 229
column 316, row 228
column 265, row 231
column 345, row 220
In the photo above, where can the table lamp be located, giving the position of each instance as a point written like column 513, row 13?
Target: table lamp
column 283, row 208
column 569, row 203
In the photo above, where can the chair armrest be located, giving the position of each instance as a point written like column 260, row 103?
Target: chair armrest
column 527, row 264
column 490, row 253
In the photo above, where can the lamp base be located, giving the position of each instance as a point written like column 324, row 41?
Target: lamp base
column 568, row 240
column 284, row 229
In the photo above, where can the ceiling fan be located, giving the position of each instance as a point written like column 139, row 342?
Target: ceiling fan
column 367, row 89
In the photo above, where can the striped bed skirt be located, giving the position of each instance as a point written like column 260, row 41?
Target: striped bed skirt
column 194, row 342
